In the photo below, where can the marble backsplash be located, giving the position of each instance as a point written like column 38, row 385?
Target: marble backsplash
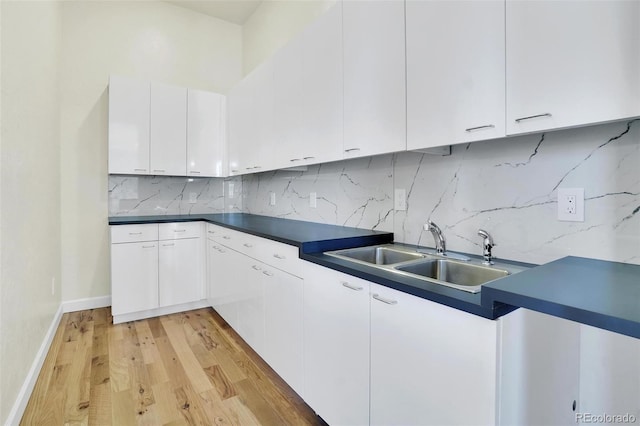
column 167, row 195
column 507, row 187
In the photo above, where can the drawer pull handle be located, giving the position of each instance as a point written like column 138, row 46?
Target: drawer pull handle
column 221, row 250
column 256, row 268
column 471, row 129
column 194, row 171
column 139, row 170
column 352, row 149
column 168, row 245
column 384, row 300
column 135, row 233
column 308, row 158
column 159, row 170
column 247, row 245
column 234, row 171
column 351, row 286
column 293, row 160
column 179, row 230
column 279, row 256
column 226, row 237
column 267, row 273
column 546, row 114
column 149, row 246
column 211, row 232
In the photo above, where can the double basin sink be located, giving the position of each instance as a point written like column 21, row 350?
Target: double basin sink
column 460, row 272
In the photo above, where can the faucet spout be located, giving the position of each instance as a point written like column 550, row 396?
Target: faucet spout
column 438, row 237
column 487, row 245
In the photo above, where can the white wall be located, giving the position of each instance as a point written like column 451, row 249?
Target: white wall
column 151, row 40
column 273, row 24
column 29, row 187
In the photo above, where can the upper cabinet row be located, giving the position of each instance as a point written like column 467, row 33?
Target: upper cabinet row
column 165, row 130
column 373, row 77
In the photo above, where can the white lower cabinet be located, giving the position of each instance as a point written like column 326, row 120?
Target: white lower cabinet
column 134, row 277
column 540, row 369
column 251, row 303
column 224, row 272
column 430, row 364
column 336, row 345
column 155, row 266
column 180, row 271
column 283, row 325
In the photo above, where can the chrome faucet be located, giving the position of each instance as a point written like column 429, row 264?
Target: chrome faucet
column 438, row 237
column 487, row 245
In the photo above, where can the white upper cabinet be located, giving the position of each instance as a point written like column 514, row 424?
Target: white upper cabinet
column 374, row 77
column 571, row 63
column 168, row 154
column 455, row 72
column 206, row 134
column 128, row 126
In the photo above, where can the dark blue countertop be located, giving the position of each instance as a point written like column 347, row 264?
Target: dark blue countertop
column 308, row 236
column 589, row 291
column 594, row 292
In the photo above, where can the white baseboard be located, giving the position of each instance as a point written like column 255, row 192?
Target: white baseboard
column 87, row 303
column 20, row 404
column 165, row 310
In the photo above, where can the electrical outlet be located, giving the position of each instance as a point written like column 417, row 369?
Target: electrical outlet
column 272, row 198
column 231, row 187
column 400, row 199
column 193, row 197
column 313, row 202
column 571, row 204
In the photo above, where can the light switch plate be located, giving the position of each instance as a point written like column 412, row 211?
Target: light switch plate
column 272, row 198
column 193, row 197
column 571, row 204
column 313, row 203
column 400, row 199
column 230, row 192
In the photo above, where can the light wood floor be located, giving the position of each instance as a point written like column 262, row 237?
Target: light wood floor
column 186, row 368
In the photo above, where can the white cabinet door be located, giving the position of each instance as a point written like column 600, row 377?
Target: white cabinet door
column 283, row 326
column 455, row 72
column 336, row 345
column 322, row 77
column 571, row 63
column 251, row 304
column 134, row 277
column 240, row 133
column 374, row 77
column 180, row 271
column 128, row 126
column 206, row 134
column 430, row 364
column 539, row 377
column 226, row 271
column 609, row 373
column 168, row 153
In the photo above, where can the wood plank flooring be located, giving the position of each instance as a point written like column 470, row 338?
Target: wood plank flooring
column 187, row 368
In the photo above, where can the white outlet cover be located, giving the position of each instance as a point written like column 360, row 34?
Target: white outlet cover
column 313, row 200
column 230, row 192
column 565, row 196
column 272, row 198
column 193, row 197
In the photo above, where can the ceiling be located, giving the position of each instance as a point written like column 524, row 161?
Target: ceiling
column 236, row 11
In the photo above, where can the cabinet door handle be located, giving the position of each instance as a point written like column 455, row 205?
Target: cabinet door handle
column 351, row 286
column 384, row 300
column 234, row 171
column 144, row 247
column 308, row 158
column 135, row 233
column 169, row 245
column 247, row 245
column 139, row 170
column 194, row 171
column 221, row 250
column 546, row 114
column 256, row 268
column 179, row 230
column 294, row 160
column 159, row 170
column 211, row 232
column 279, row 256
column 488, row 126
column 267, row 273
column 256, row 167
column 351, row 149
column 226, row 237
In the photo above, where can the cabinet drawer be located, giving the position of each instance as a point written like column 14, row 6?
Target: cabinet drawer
column 134, row 233
column 279, row 255
column 178, row 230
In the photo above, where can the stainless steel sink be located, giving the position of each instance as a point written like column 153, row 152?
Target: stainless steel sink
column 377, row 255
column 448, row 270
column 453, row 272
